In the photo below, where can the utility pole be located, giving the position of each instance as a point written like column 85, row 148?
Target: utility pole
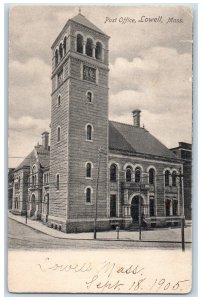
column 96, row 195
column 26, row 211
column 183, row 218
column 140, row 217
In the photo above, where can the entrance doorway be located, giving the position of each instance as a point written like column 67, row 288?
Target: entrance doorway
column 135, row 208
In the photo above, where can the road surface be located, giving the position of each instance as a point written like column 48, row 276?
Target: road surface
column 23, row 237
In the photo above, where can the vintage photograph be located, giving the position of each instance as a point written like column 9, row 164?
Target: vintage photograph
column 100, row 149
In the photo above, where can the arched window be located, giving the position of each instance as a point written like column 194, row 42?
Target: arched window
column 174, row 178
column 58, row 134
column 56, row 57
column 167, row 175
column 89, row 133
column 137, row 174
column 128, row 174
column 98, row 50
column 88, row 195
column 89, row 47
column 89, row 97
column 60, row 51
column 59, row 100
column 64, row 45
column 58, row 182
column 151, row 176
column 88, row 170
column 79, row 42
column 113, row 173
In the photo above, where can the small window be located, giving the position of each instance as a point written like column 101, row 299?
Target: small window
column 174, row 174
column 89, row 133
column 59, row 100
column 58, row 134
column 167, row 176
column 89, row 97
column 65, row 45
column 89, row 47
column 128, row 174
column 98, row 51
column 56, row 58
column 60, row 51
column 88, row 195
column 137, row 174
column 151, row 176
column 79, row 40
column 88, row 170
column 113, row 173
column 58, row 182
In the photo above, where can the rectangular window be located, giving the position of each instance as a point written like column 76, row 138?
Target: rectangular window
column 58, row 134
column 151, row 207
column 58, row 182
column 112, row 206
column 175, row 205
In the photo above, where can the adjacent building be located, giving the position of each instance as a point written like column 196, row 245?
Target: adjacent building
column 184, row 152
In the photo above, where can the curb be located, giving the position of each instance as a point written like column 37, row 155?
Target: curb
column 98, row 239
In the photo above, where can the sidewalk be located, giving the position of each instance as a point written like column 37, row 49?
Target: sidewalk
column 164, row 235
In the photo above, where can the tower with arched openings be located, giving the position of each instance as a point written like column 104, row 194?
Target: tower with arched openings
column 80, row 82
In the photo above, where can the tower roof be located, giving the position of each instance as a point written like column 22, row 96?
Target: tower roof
column 81, row 19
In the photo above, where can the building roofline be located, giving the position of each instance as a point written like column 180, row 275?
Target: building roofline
column 131, row 125
column 147, row 155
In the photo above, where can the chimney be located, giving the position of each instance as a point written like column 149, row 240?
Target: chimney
column 45, row 139
column 136, row 117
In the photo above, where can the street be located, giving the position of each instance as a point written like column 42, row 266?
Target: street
column 23, row 237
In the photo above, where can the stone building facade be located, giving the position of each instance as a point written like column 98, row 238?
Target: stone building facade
column 184, row 152
column 97, row 169
column 31, row 189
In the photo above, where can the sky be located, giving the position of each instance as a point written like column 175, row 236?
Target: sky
column 150, row 69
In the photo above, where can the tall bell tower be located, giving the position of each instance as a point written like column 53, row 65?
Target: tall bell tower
column 79, row 127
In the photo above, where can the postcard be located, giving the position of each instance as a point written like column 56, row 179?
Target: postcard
column 100, row 149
